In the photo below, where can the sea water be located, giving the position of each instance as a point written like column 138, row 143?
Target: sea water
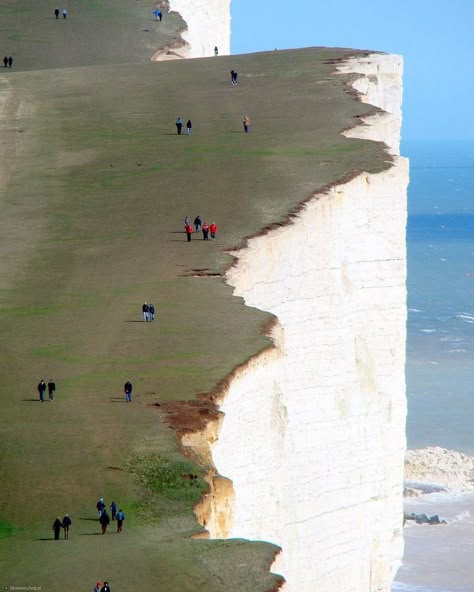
column 440, row 348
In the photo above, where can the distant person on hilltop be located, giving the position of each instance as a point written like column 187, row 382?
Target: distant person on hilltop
column 56, row 13
column 197, row 223
column 57, row 524
column 5, row 61
column 127, row 389
column 189, row 126
column 216, row 51
column 64, row 13
column 10, row 61
column 120, row 519
column 213, row 230
column 66, row 525
column 246, row 124
column 104, row 521
column 189, row 230
column 145, row 311
column 205, row 231
column 41, row 389
column 233, row 76
column 51, row 389
column 179, row 125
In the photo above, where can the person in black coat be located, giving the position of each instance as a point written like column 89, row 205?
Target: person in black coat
column 57, row 525
column 104, row 521
column 56, row 13
column 105, row 587
column 41, row 389
column 51, row 389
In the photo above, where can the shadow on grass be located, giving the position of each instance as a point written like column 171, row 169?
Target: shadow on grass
column 90, row 519
column 134, row 321
column 35, row 400
column 90, row 533
column 48, row 539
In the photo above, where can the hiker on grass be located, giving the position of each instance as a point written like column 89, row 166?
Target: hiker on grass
column 179, row 125
column 213, row 230
column 10, row 61
column 105, row 587
column 157, row 13
column 51, row 389
column 233, row 77
column 246, row 124
column 189, row 230
column 205, row 231
column 120, row 519
column 189, row 127
column 113, row 510
column 5, row 61
column 56, row 13
column 145, row 311
column 97, row 587
column 104, row 521
column 57, row 524
column 127, row 389
column 100, row 506
column 197, row 223
column 64, row 13
column 66, row 525
column 41, row 389
column 151, row 312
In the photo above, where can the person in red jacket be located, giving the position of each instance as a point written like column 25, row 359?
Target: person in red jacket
column 189, row 230
column 213, row 230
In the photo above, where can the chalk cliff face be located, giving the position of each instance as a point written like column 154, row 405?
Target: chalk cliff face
column 313, row 436
column 208, row 26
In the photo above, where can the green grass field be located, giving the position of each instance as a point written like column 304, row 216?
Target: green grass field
column 94, row 188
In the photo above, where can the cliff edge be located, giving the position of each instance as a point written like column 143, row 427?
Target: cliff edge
column 313, row 437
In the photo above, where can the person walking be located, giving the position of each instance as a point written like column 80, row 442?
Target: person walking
column 189, row 230
column 156, row 12
column 246, row 124
column 127, row 389
column 235, row 77
column 5, row 61
column 213, row 230
column 105, row 587
column 97, row 587
column 120, row 519
column 197, row 223
column 100, row 506
column 216, row 51
column 51, row 389
column 66, row 525
column 205, row 231
column 104, row 521
column 145, row 311
column 179, row 125
column 113, row 510
column 151, row 312
column 56, row 13
column 189, row 127
column 10, row 61
column 57, row 528
column 64, row 13
column 41, row 389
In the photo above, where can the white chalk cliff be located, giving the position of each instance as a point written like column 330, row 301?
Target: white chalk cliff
column 313, row 437
column 208, row 26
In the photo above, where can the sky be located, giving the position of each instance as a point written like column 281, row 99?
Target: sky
column 436, row 40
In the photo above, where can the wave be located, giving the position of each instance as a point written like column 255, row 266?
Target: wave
column 401, row 587
column 464, row 316
column 428, row 330
column 414, row 310
column 462, row 517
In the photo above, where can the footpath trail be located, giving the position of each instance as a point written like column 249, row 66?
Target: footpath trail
column 99, row 191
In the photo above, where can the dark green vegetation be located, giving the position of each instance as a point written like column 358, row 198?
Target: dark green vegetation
column 95, row 185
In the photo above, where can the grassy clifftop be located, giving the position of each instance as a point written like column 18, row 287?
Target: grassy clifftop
column 96, row 184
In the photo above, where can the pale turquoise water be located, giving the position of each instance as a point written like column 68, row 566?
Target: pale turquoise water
column 440, row 352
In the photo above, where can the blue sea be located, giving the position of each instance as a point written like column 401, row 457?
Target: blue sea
column 440, row 349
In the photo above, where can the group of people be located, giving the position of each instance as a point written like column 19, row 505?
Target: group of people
column 198, row 226
column 65, row 523
column 7, row 62
column 56, row 13
column 99, row 588
column 42, row 386
column 104, row 518
column 179, row 126
column 148, row 312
